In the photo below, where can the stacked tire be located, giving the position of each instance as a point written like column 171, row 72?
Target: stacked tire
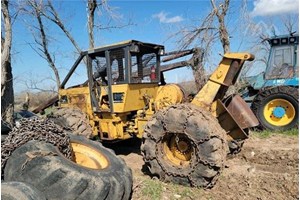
column 85, row 170
column 20, row 191
column 43, row 166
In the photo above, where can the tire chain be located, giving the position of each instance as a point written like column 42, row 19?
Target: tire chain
column 35, row 129
column 195, row 146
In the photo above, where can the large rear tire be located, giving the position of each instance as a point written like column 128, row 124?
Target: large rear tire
column 73, row 119
column 277, row 108
column 97, row 174
column 20, row 191
column 184, row 144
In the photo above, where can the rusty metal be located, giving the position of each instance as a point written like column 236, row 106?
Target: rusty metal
column 35, row 129
column 235, row 117
column 241, row 112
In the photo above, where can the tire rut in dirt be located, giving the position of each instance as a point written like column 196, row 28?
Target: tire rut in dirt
column 59, row 178
column 73, row 119
column 287, row 93
column 20, row 191
column 184, row 144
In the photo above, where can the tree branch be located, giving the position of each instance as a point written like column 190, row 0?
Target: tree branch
column 56, row 20
column 42, row 41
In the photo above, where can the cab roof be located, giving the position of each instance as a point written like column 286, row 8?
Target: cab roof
column 143, row 47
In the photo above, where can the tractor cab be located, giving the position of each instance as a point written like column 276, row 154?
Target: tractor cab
column 283, row 59
column 282, row 66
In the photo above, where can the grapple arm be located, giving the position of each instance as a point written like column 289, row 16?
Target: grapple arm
column 233, row 114
column 224, row 76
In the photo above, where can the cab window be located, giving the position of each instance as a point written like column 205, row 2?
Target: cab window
column 281, row 64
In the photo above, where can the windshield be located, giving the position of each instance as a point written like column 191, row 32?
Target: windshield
column 142, row 67
column 281, row 63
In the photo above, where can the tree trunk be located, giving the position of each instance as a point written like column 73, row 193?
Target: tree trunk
column 221, row 12
column 198, row 69
column 223, row 34
column 44, row 43
column 92, row 5
column 7, row 93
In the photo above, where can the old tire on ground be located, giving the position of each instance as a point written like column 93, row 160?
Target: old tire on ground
column 184, row 144
column 277, row 108
column 74, row 119
column 43, row 166
column 20, row 191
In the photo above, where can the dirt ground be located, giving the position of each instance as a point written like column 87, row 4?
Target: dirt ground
column 266, row 168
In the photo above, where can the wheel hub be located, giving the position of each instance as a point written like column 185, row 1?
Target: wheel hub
column 183, row 146
column 177, row 148
column 279, row 112
column 88, row 157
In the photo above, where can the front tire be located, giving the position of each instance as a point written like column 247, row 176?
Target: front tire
column 97, row 172
column 277, row 108
column 186, row 145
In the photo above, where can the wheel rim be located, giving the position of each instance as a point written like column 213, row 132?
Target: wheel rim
column 88, row 157
column 279, row 112
column 178, row 149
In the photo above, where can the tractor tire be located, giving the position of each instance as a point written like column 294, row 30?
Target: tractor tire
column 20, row 191
column 97, row 172
column 73, row 119
column 184, row 144
column 277, row 108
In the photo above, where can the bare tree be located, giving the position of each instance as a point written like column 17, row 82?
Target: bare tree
column 47, row 10
column 39, row 84
column 40, row 37
column 50, row 13
column 290, row 23
column 43, row 11
column 205, row 35
column 102, row 6
column 7, row 93
column 92, row 6
column 207, row 32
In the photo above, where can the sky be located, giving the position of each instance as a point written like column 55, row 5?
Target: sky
column 152, row 21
